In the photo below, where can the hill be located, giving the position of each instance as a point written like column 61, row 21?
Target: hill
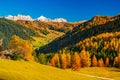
column 21, row 70
column 97, row 25
column 47, row 31
column 39, row 26
column 9, row 28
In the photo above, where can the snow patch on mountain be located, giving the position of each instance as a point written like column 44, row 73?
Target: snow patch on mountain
column 44, row 19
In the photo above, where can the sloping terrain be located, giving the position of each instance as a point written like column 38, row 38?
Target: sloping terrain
column 97, row 25
column 42, row 39
column 28, row 70
column 47, row 31
column 9, row 28
column 39, row 27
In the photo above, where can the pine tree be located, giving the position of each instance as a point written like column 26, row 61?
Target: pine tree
column 41, row 58
column 94, row 61
column 76, row 62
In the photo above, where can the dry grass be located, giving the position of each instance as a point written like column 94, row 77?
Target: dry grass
column 113, row 73
column 28, row 70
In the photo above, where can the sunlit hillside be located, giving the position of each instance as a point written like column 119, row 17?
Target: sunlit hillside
column 42, row 39
column 28, row 70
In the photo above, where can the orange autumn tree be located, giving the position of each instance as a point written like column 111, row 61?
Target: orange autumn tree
column 21, row 47
column 85, row 58
column 28, row 50
column 55, row 61
column 117, row 61
column 107, row 62
column 100, row 63
column 94, row 61
column 76, row 63
column 64, row 62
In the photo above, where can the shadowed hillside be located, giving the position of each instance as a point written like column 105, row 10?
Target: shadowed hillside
column 93, row 27
column 9, row 28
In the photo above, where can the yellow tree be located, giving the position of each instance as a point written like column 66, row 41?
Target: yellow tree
column 55, row 61
column 28, row 50
column 64, row 62
column 22, row 47
column 85, row 58
column 76, row 64
column 94, row 61
column 100, row 63
column 107, row 62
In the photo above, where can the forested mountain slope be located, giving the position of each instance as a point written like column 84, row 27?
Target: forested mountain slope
column 97, row 25
column 9, row 28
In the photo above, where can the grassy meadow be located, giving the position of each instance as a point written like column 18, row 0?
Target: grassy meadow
column 45, row 39
column 29, row 70
column 113, row 73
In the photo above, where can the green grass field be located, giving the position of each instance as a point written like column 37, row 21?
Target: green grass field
column 45, row 39
column 29, row 70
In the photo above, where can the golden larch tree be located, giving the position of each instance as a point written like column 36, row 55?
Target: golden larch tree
column 107, row 62
column 76, row 63
column 55, row 61
column 85, row 58
column 64, row 61
column 117, row 61
column 94, row 61
column 21, row 47
column 100, row 63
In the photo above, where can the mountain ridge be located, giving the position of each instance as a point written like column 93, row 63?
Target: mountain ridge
column 82, row 31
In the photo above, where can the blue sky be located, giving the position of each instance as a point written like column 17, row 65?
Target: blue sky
column 72, row 10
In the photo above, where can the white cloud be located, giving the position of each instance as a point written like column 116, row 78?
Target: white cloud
column 28, row 18
column 19, row 17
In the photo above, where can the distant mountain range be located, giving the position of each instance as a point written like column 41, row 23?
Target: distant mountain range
column 28, row 18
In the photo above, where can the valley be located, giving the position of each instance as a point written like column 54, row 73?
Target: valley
column 88, row 50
